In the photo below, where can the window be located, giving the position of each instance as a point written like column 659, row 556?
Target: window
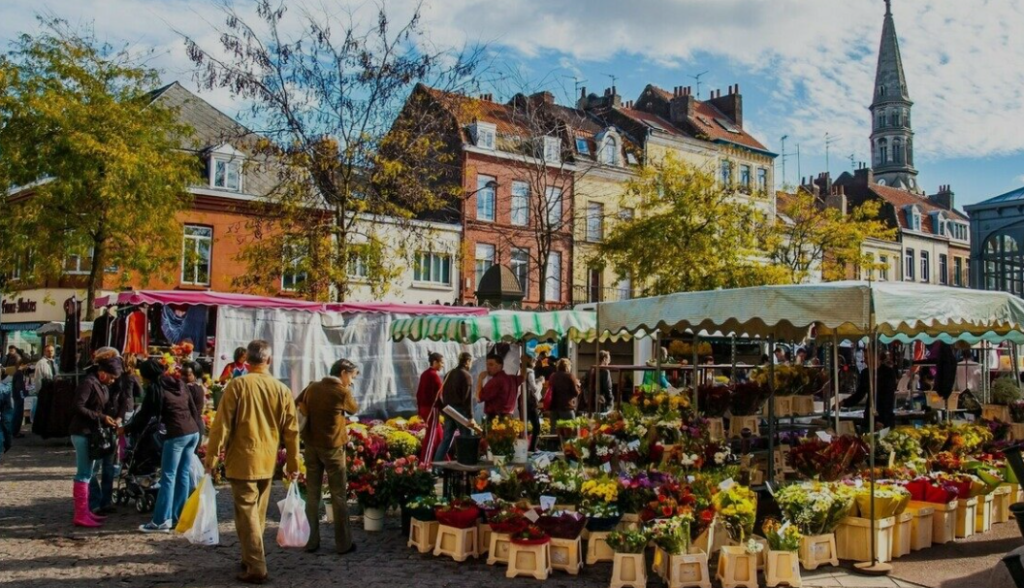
column 582, row 146
column 552, row 149
column 484, row 133
column 358, row 269
column 553, row 278
column 485, row 186
column 957, row 230
column 897, row 151
column 520, row 203
column 76, row 265
column 521, row 268
column 432, row 268
column 610, row 150
column 926, row 267
column 726, row 173
column 554, row 206
column 943, row 269
column 293, row 278
column 908, row 266
column 195, row 261
column 958, row 268
column 227, row 174
column 881, row 120
column 762, row 179
column 595, row 222
column 624, row 289
column 594, row 279
column 627, row 214
column 883, row 270
column 913, row 218
column 484, row 260
column 883, row 151
column 1004, row 266
column 745, row 176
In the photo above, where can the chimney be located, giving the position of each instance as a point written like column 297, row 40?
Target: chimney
column 612, row 97
column 680, row 108
column 864, row 176
column 488, row 97
column 837, row 200
column 543, row 97
column 731, row 106
column 943, row 198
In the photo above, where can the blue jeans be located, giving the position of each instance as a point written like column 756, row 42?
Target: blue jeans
column 174, row 478
column 83, row 465
column 101, row 487
column 450, row 426
column 6, row 421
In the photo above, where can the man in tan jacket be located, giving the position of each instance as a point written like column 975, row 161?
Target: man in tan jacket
column 254, row 414
column 325, row 404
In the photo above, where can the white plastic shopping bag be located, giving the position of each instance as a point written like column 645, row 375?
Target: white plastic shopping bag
column 196, row 471
column 204, row 530
column 294, row 529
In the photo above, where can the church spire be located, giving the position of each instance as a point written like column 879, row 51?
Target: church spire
column 892, row 139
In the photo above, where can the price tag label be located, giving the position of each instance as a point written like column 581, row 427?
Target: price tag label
column 482, row 497
column 606, row 467
column 859, row 483
column 725, row 484
column 824, row 436
column 883, row 433
column 969, row 417
column 532, row 516
column 633, row 445
column 547, row 502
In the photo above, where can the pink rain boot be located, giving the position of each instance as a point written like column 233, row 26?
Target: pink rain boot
column 83, row 518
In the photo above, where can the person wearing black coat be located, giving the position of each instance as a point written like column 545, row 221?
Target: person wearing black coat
column 885, row 392
column 89, row 417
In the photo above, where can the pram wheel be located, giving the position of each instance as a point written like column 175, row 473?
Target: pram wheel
column 120, row 497
column 150, row 502
column 140, row 504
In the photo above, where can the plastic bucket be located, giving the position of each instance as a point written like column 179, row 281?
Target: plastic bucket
column 373, row 519
column 467, row 449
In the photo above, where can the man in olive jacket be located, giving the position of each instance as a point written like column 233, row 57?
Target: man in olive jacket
column 254, row 414
column 325, row 404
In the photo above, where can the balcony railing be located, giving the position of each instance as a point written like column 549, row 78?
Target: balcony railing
column 585, row 294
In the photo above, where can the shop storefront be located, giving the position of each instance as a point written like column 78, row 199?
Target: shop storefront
column 22, row 313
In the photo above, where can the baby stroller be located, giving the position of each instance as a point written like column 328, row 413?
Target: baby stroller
column 139, row 480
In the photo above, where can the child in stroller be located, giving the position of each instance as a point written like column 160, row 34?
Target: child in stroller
column 139, row 480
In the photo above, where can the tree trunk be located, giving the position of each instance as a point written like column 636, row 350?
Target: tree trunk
column 341, row 254
column 99, row 257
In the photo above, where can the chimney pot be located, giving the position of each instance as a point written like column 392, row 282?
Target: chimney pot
column 737, row 87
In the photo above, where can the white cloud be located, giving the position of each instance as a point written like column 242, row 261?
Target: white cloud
column 963, row 67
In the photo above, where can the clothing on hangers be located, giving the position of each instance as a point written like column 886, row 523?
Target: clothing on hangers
column 182, row 322
column 136, row 337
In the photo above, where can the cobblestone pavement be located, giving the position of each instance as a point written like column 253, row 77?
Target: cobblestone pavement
column 39, row 547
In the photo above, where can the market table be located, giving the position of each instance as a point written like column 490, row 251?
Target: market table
column 458, row 477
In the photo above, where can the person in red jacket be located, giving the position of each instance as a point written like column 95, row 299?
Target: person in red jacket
column 428, row 403
column 499, row 393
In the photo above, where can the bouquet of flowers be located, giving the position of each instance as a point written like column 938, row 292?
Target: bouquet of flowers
column 601, row 489
column 502, row 434
column 531, row 535
column 902, row 445
column 890, row 500
column 714, row 400
column 628, row 541
column 363, row 449
column 601, row 516
column 815, row 458
column 652, row 400
column 566, row 482
column 407, row 479
column 563, row 524
column 926, row 489
column 461, row 513
column 369, row 489
column 815, row 508
column 637, row 490
column 672, row 534
column 737, row 509
column 781, row 537
column 747, row 398
column 422, row 507
column 402, row 443
column 508, row 519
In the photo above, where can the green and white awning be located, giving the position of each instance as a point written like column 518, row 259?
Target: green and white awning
column 502, row 325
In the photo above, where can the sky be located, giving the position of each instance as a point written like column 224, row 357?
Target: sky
column 805, row 67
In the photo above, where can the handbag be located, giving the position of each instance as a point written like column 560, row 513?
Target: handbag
column 101, row 443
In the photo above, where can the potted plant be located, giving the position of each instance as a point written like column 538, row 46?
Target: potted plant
column 372, row 494
column 783, row 562
column 406, row 479
column 461, row 513
column 628, row 567
column 562, row 524
column 422, row 508
column 501, row 437
column 816, row 509
column 736, row 508
column 531, row 535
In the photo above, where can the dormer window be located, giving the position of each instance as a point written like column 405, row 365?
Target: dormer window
column 939, row 223
column 226, row 168
column 913, row 218
column 484, row 134
column 552, row 149
column 582, row 146
column 610, row 150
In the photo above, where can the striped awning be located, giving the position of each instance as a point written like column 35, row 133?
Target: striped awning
column 502, row 325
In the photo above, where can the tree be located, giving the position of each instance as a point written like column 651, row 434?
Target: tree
column 91, row 166
column 811, row 234
column 689, row 234
column 326, row 92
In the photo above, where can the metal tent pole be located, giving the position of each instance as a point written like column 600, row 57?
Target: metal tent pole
column 771, row 410
column 732, row 357
column 696, row 373
column 835, row 378
column 874, row 567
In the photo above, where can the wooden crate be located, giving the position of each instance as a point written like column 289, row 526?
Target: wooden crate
column 943, row 520
column 688, row 570
column 818, row 550
column 782, row 567
column 996, row 412
column 921, row 527
column 853, row 538
column 628, row 570
column 459, row 544
column 802, row 405
column 966, row 513
column 567, row 555
column 983, row 516
column 716, row 429
column 738, row 423
column 498, row 548
column 1001, row 497
column 423, row 535
column 598, row 549
column 529, row 560
column 737, row 568
column 846, row 428
column 902, row 535
column 783, row 406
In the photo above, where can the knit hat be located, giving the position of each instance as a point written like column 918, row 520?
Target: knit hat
column 152, row 369
column 112, row 365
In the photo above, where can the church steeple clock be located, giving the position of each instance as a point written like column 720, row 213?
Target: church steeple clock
column 892, row 139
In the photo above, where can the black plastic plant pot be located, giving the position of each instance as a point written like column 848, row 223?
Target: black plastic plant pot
column 467, row 449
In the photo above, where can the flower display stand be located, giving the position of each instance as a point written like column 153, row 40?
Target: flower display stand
column 629, row 522
column 422, row 535
column 736, row 567
column 738, row 423
column 902, row 535
column 783, row 406
column 498, row 548
column 756, row 477
column 459, row 544
column 762, row 556
column 1001, row 503
column 529, row 560
column 802, row 405
column 853, row 538
column 689, row 570
column 716, row 429
column 818, row 550
column 567, row 555
column 782, row 567
column 921, row 526
column 1017, row 431
column 983, row 516
column 718, row 537
column 598, row 549
column 483, row 538
column 566, row 507
column 996, row 412
column 628, row 570
column 944, row 518
column 782, row 459
column 966, row 513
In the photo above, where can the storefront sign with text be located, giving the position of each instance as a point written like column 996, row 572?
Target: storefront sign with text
column 21, row 305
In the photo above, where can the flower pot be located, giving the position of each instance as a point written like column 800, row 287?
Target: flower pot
column 628, row 570
column 966, row 513
column 921, row 526
column 529, row 559
column 602, row 524
column 1001, row 503
column 689, row 570
column 944, row 517
column 458, row 544
column 853, row 538
column 467, row 449
column 422, row 535
column 736, row 567
column 566, row 555
column 782, row 567
column 818, row 550
column 373, row 519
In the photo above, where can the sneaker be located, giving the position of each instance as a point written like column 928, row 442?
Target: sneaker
column 149, row 527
